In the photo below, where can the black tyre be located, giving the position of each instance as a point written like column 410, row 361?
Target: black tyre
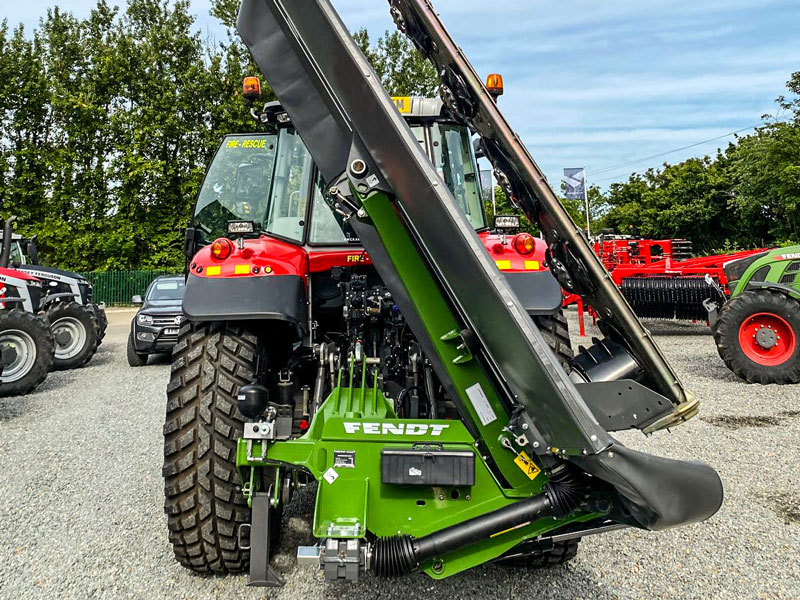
column 555, row 330
column 102, row 321
column 135, row 359
column 203, row 499
column 26, row 351
column 560, row 553
column 74, row 329
column 758, row 337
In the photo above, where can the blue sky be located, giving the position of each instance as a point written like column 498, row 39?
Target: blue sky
column 598, row 84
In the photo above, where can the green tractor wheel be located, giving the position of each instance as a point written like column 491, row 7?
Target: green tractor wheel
column 758, row 336
column 560, row 553
column 203, row 499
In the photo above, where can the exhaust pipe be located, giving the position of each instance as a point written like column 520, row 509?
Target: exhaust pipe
column 402, row 554
column 8, row 230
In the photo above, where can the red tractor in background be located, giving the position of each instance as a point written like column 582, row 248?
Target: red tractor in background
column 27, row 345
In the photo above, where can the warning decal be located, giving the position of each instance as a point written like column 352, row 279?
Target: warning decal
column 524, row 462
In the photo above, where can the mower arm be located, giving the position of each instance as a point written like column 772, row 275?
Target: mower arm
column 409, row 222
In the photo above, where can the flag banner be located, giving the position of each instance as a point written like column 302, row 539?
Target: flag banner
column 575, row 183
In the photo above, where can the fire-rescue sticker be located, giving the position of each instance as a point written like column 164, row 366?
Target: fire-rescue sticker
column 481, row 404
column 524, row 462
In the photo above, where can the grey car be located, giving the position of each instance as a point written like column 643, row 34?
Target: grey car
column 154, row 329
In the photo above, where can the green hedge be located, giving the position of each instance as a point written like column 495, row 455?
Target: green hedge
column 115, row 288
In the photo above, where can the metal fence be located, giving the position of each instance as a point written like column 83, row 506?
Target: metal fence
column 116, row 288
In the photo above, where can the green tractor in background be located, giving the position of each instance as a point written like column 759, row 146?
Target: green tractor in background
column 757, row 330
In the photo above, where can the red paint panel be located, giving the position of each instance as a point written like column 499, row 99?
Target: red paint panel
column 269, row 256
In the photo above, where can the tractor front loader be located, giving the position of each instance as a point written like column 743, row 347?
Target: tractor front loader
column 440, row 426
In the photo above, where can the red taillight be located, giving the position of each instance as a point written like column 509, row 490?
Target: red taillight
column 524, row 243
column 221, row 248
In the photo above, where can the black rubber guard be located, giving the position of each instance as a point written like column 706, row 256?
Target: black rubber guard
column 272, row 297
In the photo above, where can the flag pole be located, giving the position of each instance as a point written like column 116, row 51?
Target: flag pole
column 586, row 202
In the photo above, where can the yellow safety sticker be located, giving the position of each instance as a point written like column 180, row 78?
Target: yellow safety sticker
column 215, row 270
column 503, row 264
column 524, row 462
column 241, row 269
column 403, row 103
column 532, row 265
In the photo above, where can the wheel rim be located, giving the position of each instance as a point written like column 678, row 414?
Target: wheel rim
column 767, row 339
column 22, row 349
column 70, row 337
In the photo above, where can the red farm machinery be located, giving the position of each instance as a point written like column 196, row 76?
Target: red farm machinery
column 660, row 279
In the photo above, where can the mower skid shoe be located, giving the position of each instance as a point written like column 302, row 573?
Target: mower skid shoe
column 261, row 575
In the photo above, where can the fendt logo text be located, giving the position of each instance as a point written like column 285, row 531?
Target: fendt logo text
column 394, row 429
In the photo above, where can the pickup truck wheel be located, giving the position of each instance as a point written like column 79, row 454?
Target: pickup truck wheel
column 74, row 330
column 26, row 351
column 203, row 499
column 135, row 359
column 757, row 335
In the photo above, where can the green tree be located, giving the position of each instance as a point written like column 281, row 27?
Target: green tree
column 402, row 70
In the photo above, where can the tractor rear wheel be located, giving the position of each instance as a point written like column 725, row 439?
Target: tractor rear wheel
column 102, row 321
column 560, row 553
column 74, row 328
column 758, row 336
column 555, row 330
column 26, row 351
column 203, row 499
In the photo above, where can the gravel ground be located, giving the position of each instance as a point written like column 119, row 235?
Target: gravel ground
column 81, row 498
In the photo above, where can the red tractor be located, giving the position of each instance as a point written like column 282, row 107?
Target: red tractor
column 27, row 346
column 276, row 277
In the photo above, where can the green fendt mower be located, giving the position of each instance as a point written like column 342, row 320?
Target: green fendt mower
column 757, row 330
column 505, row 453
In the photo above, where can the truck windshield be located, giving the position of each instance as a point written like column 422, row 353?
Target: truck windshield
column 455, row 163
column 166, row 289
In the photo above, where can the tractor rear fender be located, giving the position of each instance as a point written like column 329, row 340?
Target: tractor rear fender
column 272, row 298
column 778, row 287
column 537, row 291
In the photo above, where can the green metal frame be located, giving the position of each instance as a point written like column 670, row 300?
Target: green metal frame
column 358, row 419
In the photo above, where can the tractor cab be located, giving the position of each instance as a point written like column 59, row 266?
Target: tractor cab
column 262, row 212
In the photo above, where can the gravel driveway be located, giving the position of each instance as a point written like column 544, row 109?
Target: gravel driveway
column 81, row 499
